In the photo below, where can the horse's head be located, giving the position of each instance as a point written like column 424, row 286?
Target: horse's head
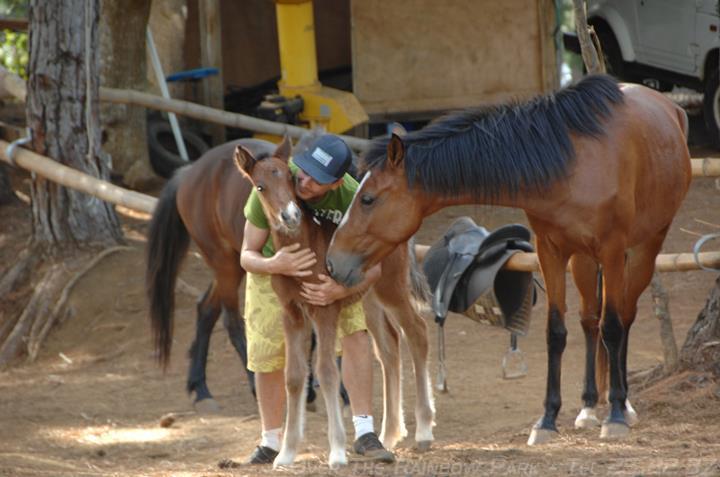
column 384, row 213
column 274, row 183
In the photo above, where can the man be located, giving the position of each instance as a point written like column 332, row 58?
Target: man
column 322, row 182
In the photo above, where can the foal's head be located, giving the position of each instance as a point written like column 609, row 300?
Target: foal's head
column 274, row 183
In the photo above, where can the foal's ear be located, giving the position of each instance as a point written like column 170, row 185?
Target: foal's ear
column 395, row 151
column 244, row 160
column 283, row 149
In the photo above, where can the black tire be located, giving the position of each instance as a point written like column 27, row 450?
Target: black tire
column 612, row 56
column 162, row 149
column 711, row 108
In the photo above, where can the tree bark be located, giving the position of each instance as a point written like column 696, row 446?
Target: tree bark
column 63, row 114
column 585, row 33
column 124, row 66
column 701, row 350
column 7, row 196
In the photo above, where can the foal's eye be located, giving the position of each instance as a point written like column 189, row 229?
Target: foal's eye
column 260, row 187
column 366, row 199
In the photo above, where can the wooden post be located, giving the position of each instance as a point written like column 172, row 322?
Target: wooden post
column 589, row 52
column 660, row 301
column 211, row 56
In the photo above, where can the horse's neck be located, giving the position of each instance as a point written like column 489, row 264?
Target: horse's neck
column 521, row 201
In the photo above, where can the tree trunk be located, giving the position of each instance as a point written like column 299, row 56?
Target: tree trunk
column 702, row 346
column 124, row 66
column 62, row 112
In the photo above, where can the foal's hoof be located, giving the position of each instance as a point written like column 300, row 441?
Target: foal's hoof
column 424, row 446
column 283, row 458
column 207, row 406
column 614, row 430
column 631, row 416
column 587, row 419
column 337, row 459
column 541, row 436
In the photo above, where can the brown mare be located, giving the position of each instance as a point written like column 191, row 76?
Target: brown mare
column 600, row 171
column 204, row 202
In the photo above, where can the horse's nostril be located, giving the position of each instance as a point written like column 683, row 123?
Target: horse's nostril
column 285, row 216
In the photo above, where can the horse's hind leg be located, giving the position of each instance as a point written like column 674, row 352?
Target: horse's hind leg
column 235, row 326
column 639, row 269
column 386, row 340
column 296, row 371
column 208, row 310
column 584, row 270
column 325, row 321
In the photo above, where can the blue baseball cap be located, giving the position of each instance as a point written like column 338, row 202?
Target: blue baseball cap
column 326, row 160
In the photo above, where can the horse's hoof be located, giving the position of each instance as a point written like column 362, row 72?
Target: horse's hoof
column 631, row 416
column 283, row 458
column 614, row 430
column 587, row 419
column 207, row 406
column 337, row 459
column 389, row 442
column 541, row 436
column 424, row 446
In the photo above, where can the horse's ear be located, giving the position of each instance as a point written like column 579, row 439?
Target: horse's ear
column 398, row 129
column 395, row 151
column 283, row 149
column 244, row 160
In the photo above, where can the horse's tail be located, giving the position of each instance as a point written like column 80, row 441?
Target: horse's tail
column 419, row 287
column 168, row 242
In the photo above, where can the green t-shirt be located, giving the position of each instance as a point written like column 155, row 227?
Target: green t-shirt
column 331, row 207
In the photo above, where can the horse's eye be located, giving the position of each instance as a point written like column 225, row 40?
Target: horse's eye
column 367, row 199
column 260, row 188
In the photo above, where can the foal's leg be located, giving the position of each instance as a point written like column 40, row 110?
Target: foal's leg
column 296, row 371
column 396, row 300
column 584, row 270
column 208, row 310
column 386, row 340
column 553, row 263
column 325, row 323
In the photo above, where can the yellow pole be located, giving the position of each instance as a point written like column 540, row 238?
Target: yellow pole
column 296, row 36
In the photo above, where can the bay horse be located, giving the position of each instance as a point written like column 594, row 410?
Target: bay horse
column 204, row 202
column 600, row 170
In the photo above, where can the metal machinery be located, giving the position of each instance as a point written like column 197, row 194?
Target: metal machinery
column 302, row 97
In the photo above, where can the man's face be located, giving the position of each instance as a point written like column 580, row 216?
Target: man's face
column 309, row 190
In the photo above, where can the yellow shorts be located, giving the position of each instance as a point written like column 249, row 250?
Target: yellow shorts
column 264, row 329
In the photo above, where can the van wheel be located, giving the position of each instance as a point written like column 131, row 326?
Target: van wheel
column 164, row 156
column 711, row 108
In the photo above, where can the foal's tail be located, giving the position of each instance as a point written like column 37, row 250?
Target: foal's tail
column 419, row 287
column 168, row 242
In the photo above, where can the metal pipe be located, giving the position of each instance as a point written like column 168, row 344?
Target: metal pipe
column 155, row 59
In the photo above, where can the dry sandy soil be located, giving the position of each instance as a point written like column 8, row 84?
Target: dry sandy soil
column 92, row 402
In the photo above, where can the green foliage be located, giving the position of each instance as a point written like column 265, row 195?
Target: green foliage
column 14, row 45
column 14, row 52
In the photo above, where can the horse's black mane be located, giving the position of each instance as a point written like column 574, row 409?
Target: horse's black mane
column 501, row 149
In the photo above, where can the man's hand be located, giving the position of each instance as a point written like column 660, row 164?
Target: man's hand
column 293, row 262
column 323, row 293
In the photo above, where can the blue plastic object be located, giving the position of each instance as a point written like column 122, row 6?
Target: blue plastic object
column 192, row 75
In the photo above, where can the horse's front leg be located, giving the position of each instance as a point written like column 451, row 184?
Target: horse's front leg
column 296, row 371
column 613, row 333
column 553, row 263
column 585, row 274
column 325, row 322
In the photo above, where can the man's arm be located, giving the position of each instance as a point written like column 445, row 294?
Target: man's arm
column 289, row 260
column 329, row 291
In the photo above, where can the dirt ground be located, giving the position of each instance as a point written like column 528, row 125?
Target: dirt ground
column 92, row 402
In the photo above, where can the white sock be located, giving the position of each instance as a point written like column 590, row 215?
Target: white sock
column 363, row 425
column 271, row 438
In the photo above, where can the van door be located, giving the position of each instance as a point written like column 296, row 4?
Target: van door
column 666, row 34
